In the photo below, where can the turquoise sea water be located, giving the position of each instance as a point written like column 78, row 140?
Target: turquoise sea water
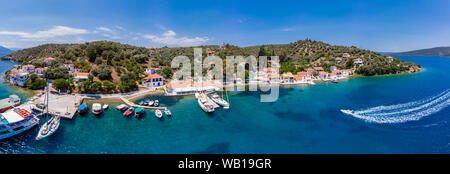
column 305, row 119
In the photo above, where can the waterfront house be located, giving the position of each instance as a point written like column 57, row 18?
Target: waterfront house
column 298, row 79
column 153, row 80
column 333, row 68
column 80, row 77
column 188, row 87
column 346, row 55
column 309, row 70
column 358, row 61
column 332, row 76
column 303, row 75
column 390, row 59
column 274, row 78
column 49, row 60
column 28, row 68
column 288, row 77
column 18, row 77
column 323, row 75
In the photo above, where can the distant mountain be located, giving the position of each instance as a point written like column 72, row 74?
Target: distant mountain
column 438, row 51
column 4, row 51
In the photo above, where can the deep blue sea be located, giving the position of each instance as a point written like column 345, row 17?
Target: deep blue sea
column 399, row 114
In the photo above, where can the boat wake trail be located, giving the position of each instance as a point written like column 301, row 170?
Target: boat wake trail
column 401, row 113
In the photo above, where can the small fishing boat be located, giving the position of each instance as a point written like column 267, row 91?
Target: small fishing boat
column 129, row 111
column 122, row 107
column 220, row 101
column 156, row 103
column 151, row 102
column 48, row 128
column 167, row 112
column 96, row 108
column 82, row 108
column 105, row 106
column 145, row 103
column 334, row 81
column 141, row 103
column 138, row 112
column 158, row 113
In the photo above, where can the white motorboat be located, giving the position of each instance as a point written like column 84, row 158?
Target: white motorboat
column 158, row 113
column 151, row 102
column 105, row 106
column 156, row 103
column 349, row 112
column 220, row 101
column 97, row 108
column 167, row 112
column 49, row 128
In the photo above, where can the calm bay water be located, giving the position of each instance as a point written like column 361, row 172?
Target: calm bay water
column 305, row 119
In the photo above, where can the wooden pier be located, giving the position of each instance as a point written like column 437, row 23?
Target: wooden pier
column 129, row 103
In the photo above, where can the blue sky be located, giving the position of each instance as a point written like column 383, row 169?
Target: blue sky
column 379, row 25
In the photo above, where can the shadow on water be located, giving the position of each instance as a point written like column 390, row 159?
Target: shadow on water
column 217, row 148
column 295, row 116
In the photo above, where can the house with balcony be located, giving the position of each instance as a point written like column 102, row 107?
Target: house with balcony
column 153, row 80
column 18, row 77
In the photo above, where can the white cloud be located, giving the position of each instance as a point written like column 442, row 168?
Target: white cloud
column 169, row 38
column 106, row 29
column 51, row 33
column 119, row 27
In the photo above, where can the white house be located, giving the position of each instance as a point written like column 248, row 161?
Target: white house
column 18, row 77
column 358, row 61
column 153, row 80
column 28, row 68
column 80, row 77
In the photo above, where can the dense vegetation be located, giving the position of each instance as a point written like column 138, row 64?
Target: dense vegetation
column 35, row 83
column 438, row 51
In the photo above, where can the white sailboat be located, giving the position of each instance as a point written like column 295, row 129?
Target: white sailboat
column 51, row 125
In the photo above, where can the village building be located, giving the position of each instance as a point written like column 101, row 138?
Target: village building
column 49, row 60
column 318, row 69
column 18, row 77
column 153, row 80
column 152, row 70
column 358, row 61
column 332, row 76
column 333, row 68
column 390, row 59
column 346, row 55
column 287, row 78
column 80, row 77
column 338, row 59
column 28, row 68
column 323, row 75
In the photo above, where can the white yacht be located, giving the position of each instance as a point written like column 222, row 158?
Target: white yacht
column 167, row 112
column 220, row 101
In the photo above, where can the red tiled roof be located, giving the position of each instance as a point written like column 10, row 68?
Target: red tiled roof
column 153, row 76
